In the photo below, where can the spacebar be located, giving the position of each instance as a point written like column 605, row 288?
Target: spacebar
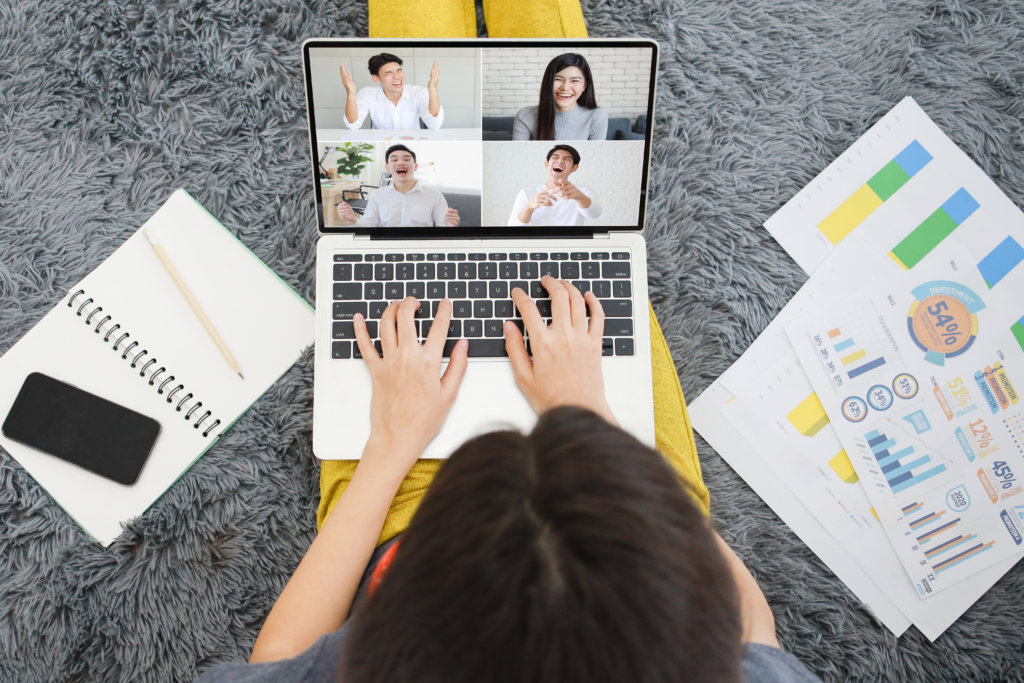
column 479, row 348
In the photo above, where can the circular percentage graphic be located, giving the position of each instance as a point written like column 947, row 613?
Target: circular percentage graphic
column 943, row 320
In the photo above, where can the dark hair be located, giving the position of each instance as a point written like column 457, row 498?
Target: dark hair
column 546, row 106
column 377, row 61
column 397, row 148
column 565, row 148
column 572, row 553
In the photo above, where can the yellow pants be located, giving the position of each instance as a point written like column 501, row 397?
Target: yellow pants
column 522, row 18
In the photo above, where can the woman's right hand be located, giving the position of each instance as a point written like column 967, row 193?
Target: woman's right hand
column 566, row 366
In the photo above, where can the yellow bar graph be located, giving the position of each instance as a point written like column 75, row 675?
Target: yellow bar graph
column 850, row 214
column 843, row 468
column 855, row 356
column 808, row 417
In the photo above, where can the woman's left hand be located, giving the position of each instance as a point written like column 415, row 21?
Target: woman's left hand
column 411, row 399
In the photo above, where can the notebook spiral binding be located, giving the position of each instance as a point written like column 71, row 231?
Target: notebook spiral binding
column 135, row 355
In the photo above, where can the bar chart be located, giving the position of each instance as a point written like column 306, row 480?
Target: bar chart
column 937, row 227
column 998, row 263
column 880, row 187
column 945, row 543
column 808, row 417
column 901, row 464
column 854, row 359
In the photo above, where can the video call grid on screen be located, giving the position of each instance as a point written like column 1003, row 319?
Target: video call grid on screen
column 478, row 152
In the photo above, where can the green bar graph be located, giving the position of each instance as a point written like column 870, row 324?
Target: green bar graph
column 937, row 227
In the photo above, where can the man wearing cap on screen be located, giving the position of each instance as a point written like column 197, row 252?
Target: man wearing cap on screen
column 405, row 203
column 393, row 105
column 557, row 201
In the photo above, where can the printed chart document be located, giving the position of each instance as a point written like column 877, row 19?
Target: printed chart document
column 880, row 210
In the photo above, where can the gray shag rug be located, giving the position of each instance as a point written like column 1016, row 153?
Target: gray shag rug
column 106, row 106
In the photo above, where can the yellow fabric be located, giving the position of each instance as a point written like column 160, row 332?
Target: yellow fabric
column 457, row 19
column 672, row 431
column 533, row 19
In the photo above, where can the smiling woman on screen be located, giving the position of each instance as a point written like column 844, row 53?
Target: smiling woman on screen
column 567, row 109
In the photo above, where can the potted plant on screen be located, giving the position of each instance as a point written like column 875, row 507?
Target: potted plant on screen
column 352, row 159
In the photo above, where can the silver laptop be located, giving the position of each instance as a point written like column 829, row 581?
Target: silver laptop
column 461, row 169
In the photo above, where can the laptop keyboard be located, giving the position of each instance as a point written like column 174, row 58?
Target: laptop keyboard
column 479, row 285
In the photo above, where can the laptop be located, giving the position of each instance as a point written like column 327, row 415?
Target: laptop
column 461, row 169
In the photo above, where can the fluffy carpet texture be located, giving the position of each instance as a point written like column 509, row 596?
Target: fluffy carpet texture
column 106, row 106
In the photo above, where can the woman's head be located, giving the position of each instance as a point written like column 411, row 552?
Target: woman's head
column 567, row 82
column 571, row 553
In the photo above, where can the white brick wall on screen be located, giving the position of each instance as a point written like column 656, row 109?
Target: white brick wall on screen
column 611, row 170
column 512, row 76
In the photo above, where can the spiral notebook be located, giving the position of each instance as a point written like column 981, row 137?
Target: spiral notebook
column 127, row 334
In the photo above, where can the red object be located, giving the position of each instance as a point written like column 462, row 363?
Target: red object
column 382, row 568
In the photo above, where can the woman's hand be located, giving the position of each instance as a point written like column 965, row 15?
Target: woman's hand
column 410, row 400
column 566, row 364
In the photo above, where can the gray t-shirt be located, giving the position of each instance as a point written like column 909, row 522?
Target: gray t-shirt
column 579, row 123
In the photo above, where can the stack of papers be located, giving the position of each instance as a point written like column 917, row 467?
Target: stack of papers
column 879, row 414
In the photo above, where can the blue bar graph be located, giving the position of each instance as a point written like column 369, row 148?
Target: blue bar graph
column 1000, row 261
column 899, row 465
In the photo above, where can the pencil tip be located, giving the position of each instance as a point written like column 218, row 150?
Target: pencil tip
column 241, row 375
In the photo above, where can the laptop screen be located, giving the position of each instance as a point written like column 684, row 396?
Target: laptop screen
column 480, row 137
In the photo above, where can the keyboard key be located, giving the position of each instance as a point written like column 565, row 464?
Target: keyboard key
column 416, row 289
column 434, row 305
column 623, row 347
column 394, row 257
column 423, row 312
column 487, row 348
column 570, row 270
column 435, row 257
column 538, row 256
column 405, row 271
column 579, row 256
column 483, row 309
column 347, row 291
column 537, row 290
column 363, row 271
column 494, row 328
column 620, row 255
column 374, row 257
column 478, row 289
column 487, row 271
column 615, row 269
column 467, row 271
column 529, row 271
column 544, row 307
column 599, row 255
column 617, row 308
column 497, row 290
column 497, row 257
column 373, row 290
column 446, row 271
column 456, row 257
column 384, row 271
column 456, row 290
column 341, row 349
column 602, row 289
column 477, row 256
column 342, row 271
column 590, row 270
column 472, row 328
column 549, row 268
column 607, row 347
column 618, row 327
column 345, row 310
column 504, row 309
column 622, row 289
column 508, row 270
column 582, row 285
column 517, row 256
column 347, row 258
column 393, row 291
column 462, row 309
column 520, row 324
column 425, row 271
column 560, row 256
column 377, row 309
column 435, row 290
column 426, row 325
column 345, row 329
column 455, row 328
column 414, row 257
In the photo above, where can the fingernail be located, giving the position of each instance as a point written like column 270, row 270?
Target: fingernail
column 357, row 316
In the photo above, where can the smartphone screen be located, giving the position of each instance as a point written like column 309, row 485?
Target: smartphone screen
column 81, row 428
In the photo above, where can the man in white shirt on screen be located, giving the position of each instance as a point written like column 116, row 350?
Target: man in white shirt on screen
column 406, row 203
column 557, row 201
column 393, row 105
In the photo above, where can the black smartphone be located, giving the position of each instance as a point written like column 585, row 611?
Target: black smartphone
column 81, row 428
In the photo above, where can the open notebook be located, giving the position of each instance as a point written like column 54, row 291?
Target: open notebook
column 127, row 334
